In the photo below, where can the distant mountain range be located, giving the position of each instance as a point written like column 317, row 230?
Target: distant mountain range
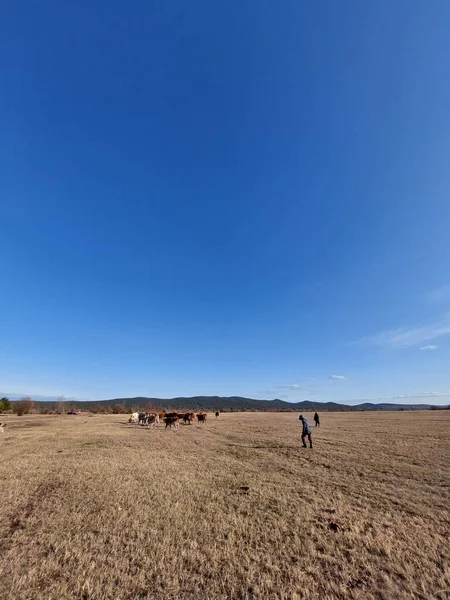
column 230, row 403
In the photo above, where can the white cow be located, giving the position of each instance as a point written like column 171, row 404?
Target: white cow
column 134, row 418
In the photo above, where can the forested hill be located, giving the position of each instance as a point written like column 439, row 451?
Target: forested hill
column 230, row 403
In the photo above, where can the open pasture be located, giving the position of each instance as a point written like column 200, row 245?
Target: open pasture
column 94, row 508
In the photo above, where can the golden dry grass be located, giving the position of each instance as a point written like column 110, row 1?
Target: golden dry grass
column 93, row 508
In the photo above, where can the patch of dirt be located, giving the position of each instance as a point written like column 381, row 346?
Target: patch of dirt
column 18, row 520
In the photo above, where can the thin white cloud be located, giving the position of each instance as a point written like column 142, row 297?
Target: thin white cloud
column 407, row 337
column 418, row 395
column 297, row 386
column 429, row 347
column 337, row 377
column 289, row 386
column 292, row 388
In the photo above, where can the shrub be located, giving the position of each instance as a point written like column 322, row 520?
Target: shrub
column 5, row 405
column 23, row 406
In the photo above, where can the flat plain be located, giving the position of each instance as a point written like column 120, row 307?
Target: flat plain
column 94, row 508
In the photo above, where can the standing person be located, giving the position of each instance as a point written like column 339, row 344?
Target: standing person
column 316, row 419
column 306, row 431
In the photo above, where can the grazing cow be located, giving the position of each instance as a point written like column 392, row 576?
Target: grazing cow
column 201, row 418
column 172, row 421
column 217, row 414
column 188, row 418
column 2, row 427
column 142, row 418
column 134, row 418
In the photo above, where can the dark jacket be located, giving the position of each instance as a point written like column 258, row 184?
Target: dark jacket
column 306, row 427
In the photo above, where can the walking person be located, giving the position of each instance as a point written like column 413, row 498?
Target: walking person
column 306, row 431
column 316, row 419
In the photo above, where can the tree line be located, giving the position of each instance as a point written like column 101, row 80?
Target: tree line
column 26, row 405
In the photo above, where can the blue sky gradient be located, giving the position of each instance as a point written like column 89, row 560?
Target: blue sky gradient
column 225, row 198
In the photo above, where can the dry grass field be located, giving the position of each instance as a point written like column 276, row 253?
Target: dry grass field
column 93, row 508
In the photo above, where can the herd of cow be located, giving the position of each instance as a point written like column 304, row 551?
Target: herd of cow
column 171, row 419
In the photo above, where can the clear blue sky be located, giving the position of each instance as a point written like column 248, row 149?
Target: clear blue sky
column 225, row 198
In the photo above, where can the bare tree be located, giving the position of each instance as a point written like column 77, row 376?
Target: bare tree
column 23, row 406
column 61, row 406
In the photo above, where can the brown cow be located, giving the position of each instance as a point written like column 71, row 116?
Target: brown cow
column 172, row 421
column 188, row 418
column 201, row 418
